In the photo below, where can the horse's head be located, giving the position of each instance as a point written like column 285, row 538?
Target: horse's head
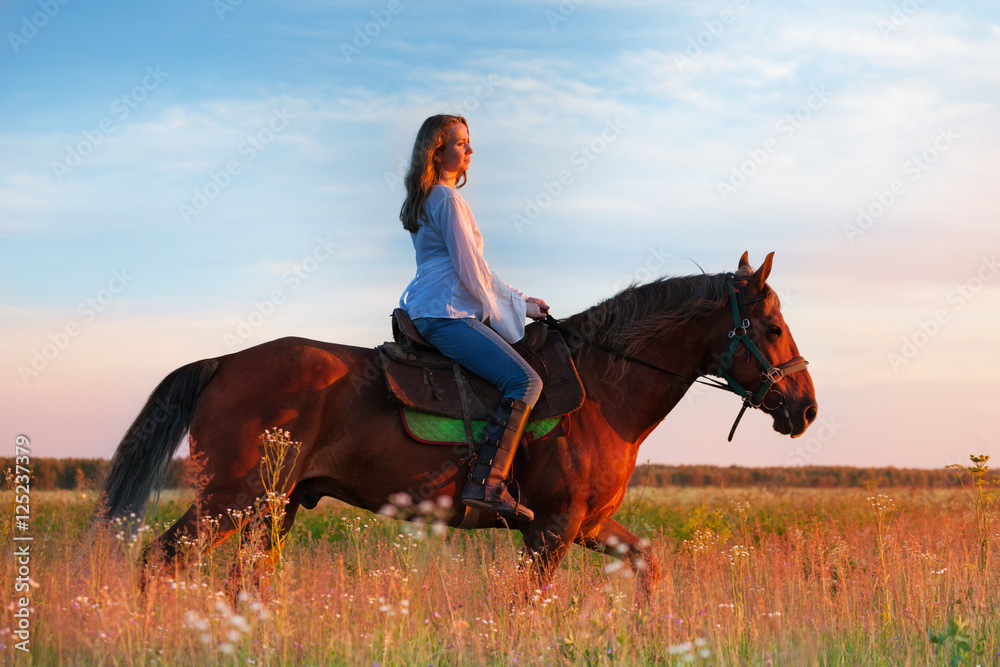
column 761, row 361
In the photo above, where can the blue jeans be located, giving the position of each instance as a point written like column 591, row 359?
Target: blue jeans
column 480, row 349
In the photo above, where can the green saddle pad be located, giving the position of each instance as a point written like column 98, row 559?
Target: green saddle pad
column 447, row 430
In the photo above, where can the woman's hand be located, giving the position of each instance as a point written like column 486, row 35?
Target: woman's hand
column 537, row 308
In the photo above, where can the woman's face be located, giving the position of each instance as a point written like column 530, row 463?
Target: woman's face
column 454, row 157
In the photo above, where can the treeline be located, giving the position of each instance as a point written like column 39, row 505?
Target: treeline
column 813, row 477
column 48, row 474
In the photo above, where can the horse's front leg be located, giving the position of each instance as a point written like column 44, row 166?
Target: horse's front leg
column 615, row 540
column 546, row 540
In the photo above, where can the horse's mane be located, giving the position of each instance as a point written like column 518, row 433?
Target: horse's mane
column 639, row 313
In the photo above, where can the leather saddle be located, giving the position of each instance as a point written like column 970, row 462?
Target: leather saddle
column 421, row 378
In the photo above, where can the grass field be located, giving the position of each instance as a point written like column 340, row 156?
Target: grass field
column 750, row 577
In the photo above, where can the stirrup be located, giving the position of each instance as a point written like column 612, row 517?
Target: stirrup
column 498, row 499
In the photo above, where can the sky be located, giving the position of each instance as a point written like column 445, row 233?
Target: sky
column 183, row 180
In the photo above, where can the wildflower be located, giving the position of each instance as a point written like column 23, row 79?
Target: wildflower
column 881, row 505
column 677, row 649
column 401, row 499
column 739, row 551
column 239, row 623
column 613, row 566
column 193, row 620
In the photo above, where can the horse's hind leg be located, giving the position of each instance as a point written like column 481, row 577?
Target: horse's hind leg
column 204, row 525
column 615, row 540
column 257, row 550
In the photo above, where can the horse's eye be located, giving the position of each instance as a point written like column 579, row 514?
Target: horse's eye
column 774, row 331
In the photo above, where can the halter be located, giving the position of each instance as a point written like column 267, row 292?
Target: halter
column 741, row 333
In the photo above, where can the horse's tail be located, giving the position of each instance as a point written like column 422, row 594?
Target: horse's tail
column 139, row 465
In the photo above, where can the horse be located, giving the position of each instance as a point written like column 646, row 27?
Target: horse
column 636, row 353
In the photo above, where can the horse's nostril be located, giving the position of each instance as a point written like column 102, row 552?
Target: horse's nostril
column 810, row 413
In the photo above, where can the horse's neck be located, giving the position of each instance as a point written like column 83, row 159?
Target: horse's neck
column 634, row 402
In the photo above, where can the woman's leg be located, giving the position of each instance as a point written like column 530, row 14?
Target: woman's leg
column 484, row 352
column 480, row 349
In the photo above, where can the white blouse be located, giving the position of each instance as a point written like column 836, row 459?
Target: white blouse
column 453, row 280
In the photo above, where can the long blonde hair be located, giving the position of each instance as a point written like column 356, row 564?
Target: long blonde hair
column 424, row 172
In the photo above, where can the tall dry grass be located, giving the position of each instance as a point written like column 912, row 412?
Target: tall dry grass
column 750, row 577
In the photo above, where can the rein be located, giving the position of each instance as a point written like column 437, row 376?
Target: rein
column 741, row 333
column 557, row 325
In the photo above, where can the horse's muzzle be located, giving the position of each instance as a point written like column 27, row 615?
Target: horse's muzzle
column 791, row 418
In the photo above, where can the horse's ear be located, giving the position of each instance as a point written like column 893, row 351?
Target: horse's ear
column 744, row 260
column 759, row 277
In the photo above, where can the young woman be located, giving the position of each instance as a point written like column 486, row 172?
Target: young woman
column 462, row 308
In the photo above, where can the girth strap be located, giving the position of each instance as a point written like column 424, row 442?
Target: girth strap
column 463, row 399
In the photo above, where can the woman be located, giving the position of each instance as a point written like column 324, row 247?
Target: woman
column 462, row 308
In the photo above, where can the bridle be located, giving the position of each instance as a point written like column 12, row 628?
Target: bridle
column 743, row 333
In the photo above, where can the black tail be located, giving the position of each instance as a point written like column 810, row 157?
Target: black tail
column 139, row 465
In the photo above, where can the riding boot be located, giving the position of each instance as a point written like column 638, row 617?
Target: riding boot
column 486, row 489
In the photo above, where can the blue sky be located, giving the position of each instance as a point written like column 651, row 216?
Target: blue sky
column 166, row 168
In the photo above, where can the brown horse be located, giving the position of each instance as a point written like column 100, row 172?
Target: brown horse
column 332, row 399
